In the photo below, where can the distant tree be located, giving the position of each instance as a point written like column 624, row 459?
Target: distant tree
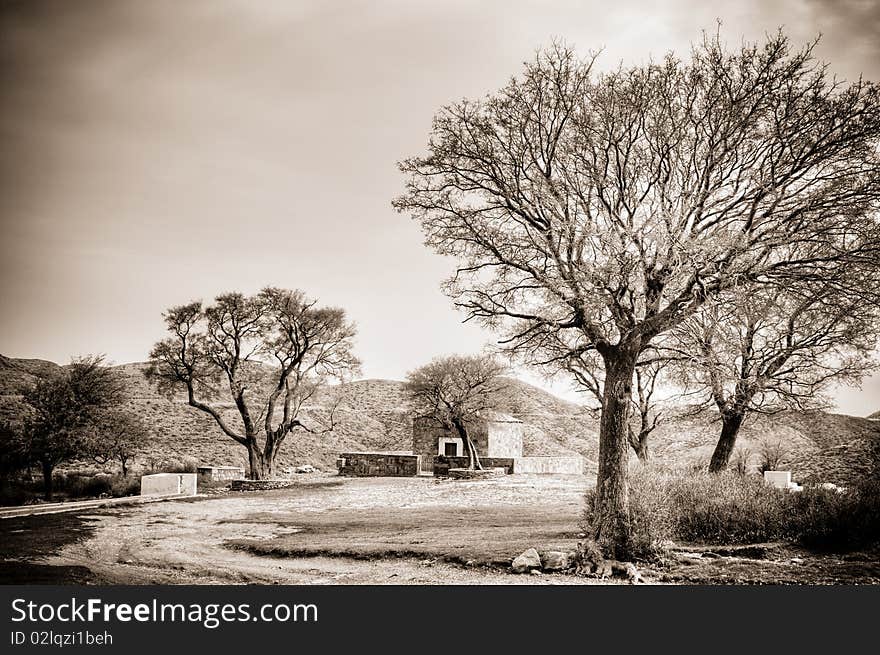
column 117, row 436
column 457, row 391
column 63, row 408
column 268, row 353
column 13, row 451
column 780, row 348
column 604, row 210
column 772, row 453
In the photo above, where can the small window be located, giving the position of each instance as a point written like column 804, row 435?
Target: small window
column 450, row 449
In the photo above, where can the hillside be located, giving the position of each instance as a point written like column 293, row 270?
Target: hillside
column 375, row 415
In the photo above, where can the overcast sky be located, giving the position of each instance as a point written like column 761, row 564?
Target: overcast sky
column 155, row 152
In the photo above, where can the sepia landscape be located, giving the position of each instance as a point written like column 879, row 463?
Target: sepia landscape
column 566, row 316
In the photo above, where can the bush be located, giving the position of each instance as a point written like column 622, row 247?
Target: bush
column 728, row 508
column 183, row 465
column 83, row 486
column 125, row 486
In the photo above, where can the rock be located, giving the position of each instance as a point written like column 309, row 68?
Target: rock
column 536, row 572
column 526, row 561
column 305, row 468
column 632, row 573
column 555, row 560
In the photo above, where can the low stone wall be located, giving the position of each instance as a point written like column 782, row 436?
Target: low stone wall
column 549, row 465
column 259, row 485
column 472, row 474
column 221, row 472
column 396, row 465
column 442, row 464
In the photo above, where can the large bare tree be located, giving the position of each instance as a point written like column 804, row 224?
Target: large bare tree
column 456, row 391
column 780, row 348
column 602, row 210
column 268, row 353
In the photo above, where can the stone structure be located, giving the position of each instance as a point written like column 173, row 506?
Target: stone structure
column 498, row 440
column 260, row 485
column 168, row 484
column 498, row 436
column 379, row 464
column 442, row 463
column 216, row 473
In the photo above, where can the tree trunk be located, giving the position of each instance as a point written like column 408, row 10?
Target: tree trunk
column 261, row 462
column 730, row 424
column 124, row 464
column 642, row 450
column 256, row 462
column 474, row 463
column 611, row 528
column 48, row 469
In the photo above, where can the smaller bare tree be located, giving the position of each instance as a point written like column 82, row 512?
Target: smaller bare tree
column 586, row 367
column 118, row 436
column 780, row 348
column 456, row 392
column 773, row 453
column 740, row 460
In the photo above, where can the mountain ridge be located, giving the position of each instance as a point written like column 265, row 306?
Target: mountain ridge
column 375, row 415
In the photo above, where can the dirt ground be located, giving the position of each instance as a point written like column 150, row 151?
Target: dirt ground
column 329, row 530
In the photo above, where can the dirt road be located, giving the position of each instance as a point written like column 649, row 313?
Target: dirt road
column 329, row 530
column 188, row 541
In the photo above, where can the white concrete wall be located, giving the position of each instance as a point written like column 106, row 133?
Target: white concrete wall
column 778, row 479
column 569, row 465
column 166, row 484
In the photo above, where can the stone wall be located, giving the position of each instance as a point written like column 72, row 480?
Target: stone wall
column 442, row 464
column 221, row 472
column 259, row 485
column 505, row 439
column 398, row 465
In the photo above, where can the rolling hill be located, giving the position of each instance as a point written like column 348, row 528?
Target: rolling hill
column 375, row 415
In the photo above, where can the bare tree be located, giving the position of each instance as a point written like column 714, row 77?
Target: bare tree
column 601, row 211
column 773, row 453
column 457, row 391
column 645, row 411
column 780, row 348
column 63, row 408
column 117, row 436
column 270, row 353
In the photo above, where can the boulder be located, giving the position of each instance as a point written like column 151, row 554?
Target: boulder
column 555, row 560
column 527, row 561
column 305, row 468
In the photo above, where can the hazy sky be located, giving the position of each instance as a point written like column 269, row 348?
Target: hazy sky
column 154, row 152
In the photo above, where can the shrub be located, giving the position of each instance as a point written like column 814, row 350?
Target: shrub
column 728, row 508
column 183, row 465
column 125, row 486
column 740, row 460
column 84, row 486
